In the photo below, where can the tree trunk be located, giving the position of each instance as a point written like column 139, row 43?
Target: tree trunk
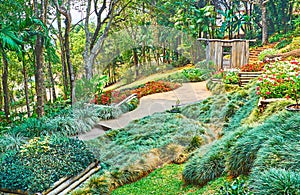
column 39, row 60
column 26, row 86
column 264, row 23
column 68, row 57
column 39, row 76
column 5, row 84
column 1, row 95
column 62, row 55
column 136, row 62
column 52, row 81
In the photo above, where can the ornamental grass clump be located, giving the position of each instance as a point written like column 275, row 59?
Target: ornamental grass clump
column 275, row 182
column 202, row 168
column 254, row 148
column 144, row 145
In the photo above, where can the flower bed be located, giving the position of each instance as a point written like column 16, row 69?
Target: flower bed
column 280, row 80
column 113, row 97
column 256, row 67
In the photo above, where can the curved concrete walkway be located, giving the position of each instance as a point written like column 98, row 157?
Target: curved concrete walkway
column 160, row 102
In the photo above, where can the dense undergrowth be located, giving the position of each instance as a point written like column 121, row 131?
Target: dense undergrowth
column 36, row 165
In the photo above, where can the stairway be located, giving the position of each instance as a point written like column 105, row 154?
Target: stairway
column 253, row 55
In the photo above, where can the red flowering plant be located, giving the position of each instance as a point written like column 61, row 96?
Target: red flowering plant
column 280, row 80
column 155, row 87
column 256, row 67
column 114, row 96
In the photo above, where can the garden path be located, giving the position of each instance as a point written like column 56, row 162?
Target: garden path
column 159, row 102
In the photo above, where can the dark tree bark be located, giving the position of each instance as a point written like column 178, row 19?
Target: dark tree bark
column 5, row 83
column 40, row 12
column 24, row 72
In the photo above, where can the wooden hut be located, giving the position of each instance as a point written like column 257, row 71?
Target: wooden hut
column 227, row 54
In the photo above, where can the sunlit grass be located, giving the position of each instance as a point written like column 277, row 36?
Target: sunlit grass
column 167, row 181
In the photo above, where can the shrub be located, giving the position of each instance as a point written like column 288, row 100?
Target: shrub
column 275, row 182
column 283, row 43
column 280, row 151
column 201, row 170
column 231, row 77
column 41, row 162
column 195, row 74
column 129, row 106
column 145, row 144
column 266, row 52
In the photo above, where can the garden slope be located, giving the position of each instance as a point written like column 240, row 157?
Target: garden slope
column 188, row 93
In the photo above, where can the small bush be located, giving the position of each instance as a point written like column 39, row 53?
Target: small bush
column 275, row 182
column 195, row 74
column 283, row 43
column 266, row 52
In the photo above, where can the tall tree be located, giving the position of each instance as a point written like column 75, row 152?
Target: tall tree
column 40, row 11
column 105, row 13
column 65, row 11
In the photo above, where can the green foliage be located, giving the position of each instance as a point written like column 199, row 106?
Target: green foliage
column 195, row 74
column 132, row 152
column 70, row 121
column 231, row 78
column 266, row 52
column 41, row 162
column 257, row 146
column 87, row 89
column 167, row 180
column 129, row 106
column 237, row 187
column 275, row 182
column 202, row 168
column 218, row 108
column 283, row 43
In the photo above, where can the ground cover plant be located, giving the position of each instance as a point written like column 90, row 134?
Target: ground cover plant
column 131, row 153
column 37, row 164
